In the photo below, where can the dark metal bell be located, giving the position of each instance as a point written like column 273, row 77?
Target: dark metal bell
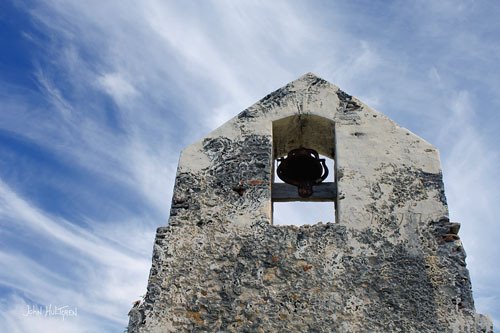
column 302, row 168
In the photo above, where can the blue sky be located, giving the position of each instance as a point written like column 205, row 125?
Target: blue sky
column 97, row 98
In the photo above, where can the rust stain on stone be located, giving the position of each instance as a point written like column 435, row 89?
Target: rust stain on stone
column 195, row 315
column 306, row 267
column 254, row 182
column 450, row 237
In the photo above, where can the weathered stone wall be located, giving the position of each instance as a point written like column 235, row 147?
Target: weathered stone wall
column 392, row 262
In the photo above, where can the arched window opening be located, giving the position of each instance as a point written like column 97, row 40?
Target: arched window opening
column 303, row 145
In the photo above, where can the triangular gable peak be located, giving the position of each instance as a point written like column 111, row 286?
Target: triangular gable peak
column 370, row 153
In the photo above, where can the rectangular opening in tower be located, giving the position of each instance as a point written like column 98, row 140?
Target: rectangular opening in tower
column 300, row 213
column 295, row 212
column 303, row 185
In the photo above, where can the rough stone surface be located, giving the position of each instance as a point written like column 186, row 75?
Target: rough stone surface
column 392, row 262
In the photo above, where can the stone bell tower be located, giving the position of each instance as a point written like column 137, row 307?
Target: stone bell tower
column 391, row 262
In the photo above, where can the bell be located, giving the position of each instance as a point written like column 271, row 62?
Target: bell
column 302, row 168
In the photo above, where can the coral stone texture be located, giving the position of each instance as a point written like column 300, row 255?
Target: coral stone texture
column 391, row 262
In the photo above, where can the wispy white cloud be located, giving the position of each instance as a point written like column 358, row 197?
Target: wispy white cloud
column 123, row 86
column 107, row 273
column 117, row 87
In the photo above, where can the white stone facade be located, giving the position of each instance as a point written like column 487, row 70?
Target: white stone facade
column 392, row 262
